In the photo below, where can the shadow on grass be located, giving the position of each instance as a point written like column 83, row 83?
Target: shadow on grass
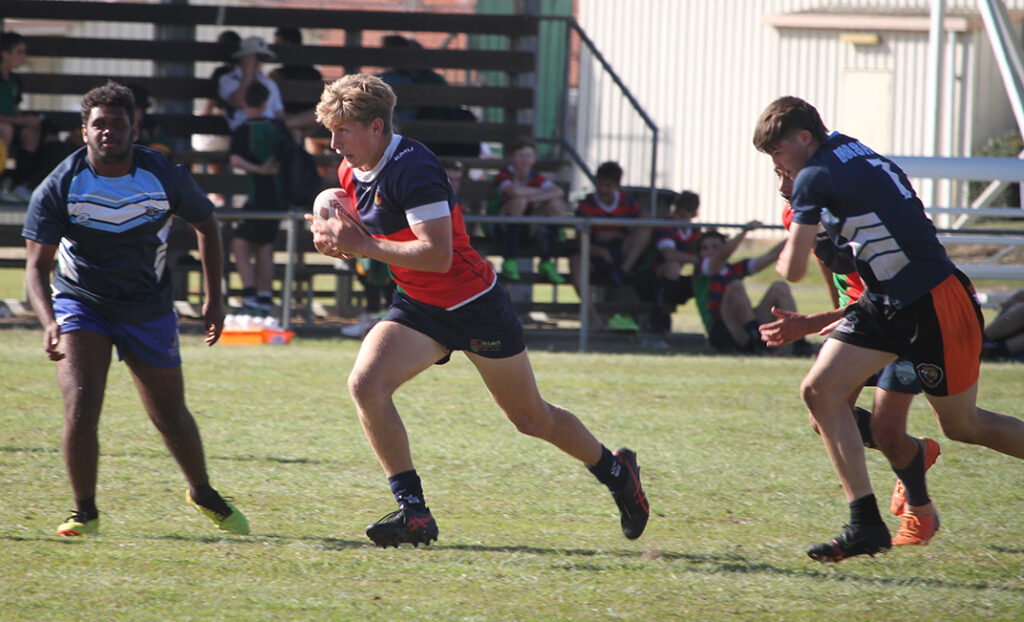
column 733, row 563
column 12, row 449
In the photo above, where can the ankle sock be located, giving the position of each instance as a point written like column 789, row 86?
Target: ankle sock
column 913, row 479
column 87, row 506
column 408, row 490
column 210, row 499
column 864, row 511
column 609, row 471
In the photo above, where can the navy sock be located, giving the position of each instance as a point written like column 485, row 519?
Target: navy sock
column 864, row 511
column 913, row 479
column 408, row 490
column 87, row 506
column 609, row 471
column 863, row 417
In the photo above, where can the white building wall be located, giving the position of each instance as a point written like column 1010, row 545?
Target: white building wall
column 704, row 70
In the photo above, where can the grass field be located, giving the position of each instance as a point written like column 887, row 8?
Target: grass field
column 737, row 482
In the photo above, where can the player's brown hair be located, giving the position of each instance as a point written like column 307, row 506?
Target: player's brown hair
column 785, row 116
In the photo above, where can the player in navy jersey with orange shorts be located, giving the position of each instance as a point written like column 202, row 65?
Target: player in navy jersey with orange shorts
column 884, row 427
column 916, row 306
column 448, row 299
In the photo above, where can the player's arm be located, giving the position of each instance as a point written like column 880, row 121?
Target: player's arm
column 792, row 264
column 429, row 251
column 763, row 261
column 833, row 293
column 790, row 325
column 38, row 266
column 212, row 256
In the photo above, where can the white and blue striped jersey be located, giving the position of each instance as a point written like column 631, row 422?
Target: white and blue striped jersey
column 865, row 203
column 111, row 232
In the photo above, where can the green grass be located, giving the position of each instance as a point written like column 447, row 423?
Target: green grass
column 738, row 485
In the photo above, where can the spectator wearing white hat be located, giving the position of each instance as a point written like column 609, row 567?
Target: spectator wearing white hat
column 231, row 87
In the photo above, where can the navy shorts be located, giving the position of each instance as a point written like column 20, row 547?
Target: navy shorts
column 487, row 326
column 898, row 376
column 940, row 333
column 154, row 343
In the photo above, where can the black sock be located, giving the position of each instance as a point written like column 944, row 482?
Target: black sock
column 408, row 490
column 754, row 344
column 87, row 506
column 913, row 479
column 210, row 499
column 863, row 417
column 864, row 511
column 248, row 292
column 609, row 471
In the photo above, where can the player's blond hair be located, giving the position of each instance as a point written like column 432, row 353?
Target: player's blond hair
column 356, row 97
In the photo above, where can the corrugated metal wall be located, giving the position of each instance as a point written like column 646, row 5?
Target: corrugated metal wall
column 705, row 70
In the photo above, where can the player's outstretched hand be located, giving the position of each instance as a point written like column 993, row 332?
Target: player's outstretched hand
column 789, row 327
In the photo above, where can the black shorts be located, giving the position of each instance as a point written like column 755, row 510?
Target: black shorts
column 940, row 333
column 258, row 231
column 487, row 326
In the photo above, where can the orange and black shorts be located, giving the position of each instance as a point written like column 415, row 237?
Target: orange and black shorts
column 940, row 333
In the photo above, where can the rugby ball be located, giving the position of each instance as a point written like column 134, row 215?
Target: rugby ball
column 327, row 203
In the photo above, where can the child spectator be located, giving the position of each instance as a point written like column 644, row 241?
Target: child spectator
column 614, row 250
column 522, row 191
column 299, row 114
column 20, row 134
column 152, row 133
column 256, row 148
column 677, row 247
column 729, row 317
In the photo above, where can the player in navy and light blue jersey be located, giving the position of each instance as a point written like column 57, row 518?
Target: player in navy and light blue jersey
column 104, row 214
column 917, row 306
column 448, row 299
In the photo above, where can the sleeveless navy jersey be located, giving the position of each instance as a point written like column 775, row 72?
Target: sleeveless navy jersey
column 866, row 203
column 408, row 186
column 112, row 232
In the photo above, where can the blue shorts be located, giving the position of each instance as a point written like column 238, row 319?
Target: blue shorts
column 898, row 376
column 487, row 326
column 154, row 343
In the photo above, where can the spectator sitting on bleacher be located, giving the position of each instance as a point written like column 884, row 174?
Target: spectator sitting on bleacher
column 233, row 85
column 519, row 190
column 20, row 134
column 300, row 115
column 151, row 133
column 1004, row 336
column 614, row 250
column 216, row 106
column 677, row 248
column 725, row 309
column 256, row 148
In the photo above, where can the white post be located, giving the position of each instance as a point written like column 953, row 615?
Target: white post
column 933, row 95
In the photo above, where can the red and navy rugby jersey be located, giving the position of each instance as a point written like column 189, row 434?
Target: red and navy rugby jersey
column 625, row 206
column 408, row 186
column 508, row 177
